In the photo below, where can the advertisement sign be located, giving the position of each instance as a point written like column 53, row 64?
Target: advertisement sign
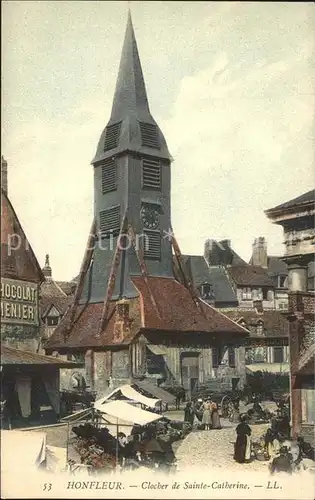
column 19, row 302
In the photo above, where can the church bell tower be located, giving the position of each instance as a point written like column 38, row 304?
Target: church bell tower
column 132, row 183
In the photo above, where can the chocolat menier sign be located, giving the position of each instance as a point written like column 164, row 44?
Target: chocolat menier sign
column 19, row 302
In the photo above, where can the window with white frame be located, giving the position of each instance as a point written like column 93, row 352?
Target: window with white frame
column 260, row 328
column 246, row 293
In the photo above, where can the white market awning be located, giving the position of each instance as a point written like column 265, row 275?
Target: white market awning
column 22, row 450
column 129, row 393
column 125, row 413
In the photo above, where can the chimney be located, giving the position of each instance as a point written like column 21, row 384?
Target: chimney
column 122, row 320
column 208, row 250
column 259, row 257
column 258, row 306
column 226, row 243
column 4, row 175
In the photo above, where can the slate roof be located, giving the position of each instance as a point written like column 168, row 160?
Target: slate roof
column 275, row 323
column 22, row 263
column 276, row 266
column 250, row 276
column 303, row 199
column 178, row 313
column 10, row 356
column 222, row 287
column 200, row 272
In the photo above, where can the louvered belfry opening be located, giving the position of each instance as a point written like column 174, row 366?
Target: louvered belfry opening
column 109, row 175
column 112, row 136
column 110, row 221
column 149, row 135
column 152, row 245
column 151, row 174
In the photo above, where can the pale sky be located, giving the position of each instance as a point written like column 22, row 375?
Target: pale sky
column 231, row 85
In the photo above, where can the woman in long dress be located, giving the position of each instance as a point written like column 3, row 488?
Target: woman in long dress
column 215, row 418
column 206, row 417
column 189, row 415
column 242, row 446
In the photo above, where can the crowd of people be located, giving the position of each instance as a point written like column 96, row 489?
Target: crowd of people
column 149, row 446
column 204, row 413
column 275, row 446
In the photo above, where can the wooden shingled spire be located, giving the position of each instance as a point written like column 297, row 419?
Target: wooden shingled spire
column 112, row 276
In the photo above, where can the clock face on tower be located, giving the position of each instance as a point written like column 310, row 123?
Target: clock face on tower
column 149, row 217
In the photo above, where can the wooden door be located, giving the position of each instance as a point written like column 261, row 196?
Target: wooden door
column 190, row 372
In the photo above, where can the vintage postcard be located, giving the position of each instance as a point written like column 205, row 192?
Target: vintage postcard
column 157, row 250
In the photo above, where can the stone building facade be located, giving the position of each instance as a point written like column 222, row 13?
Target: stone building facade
column 297, row 219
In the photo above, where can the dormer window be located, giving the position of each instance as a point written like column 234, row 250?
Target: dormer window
column 206, row 291
column 282, row 282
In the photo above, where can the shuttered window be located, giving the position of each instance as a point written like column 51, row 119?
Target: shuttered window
column 110, row 221
column 149, row 135
column 152, row 245
column 151, row 174
column 112, row 136
column 109, row 175
column 231, row 357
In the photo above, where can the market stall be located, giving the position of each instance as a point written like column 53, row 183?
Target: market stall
column 126, row 392
column 22, row 450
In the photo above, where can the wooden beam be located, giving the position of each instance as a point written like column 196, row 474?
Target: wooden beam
column 112, row 277
column 84, row 268
column 187, row 282
column 143, row 267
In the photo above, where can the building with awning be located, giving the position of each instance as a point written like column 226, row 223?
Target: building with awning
column 29, row 388
column 117, row 416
